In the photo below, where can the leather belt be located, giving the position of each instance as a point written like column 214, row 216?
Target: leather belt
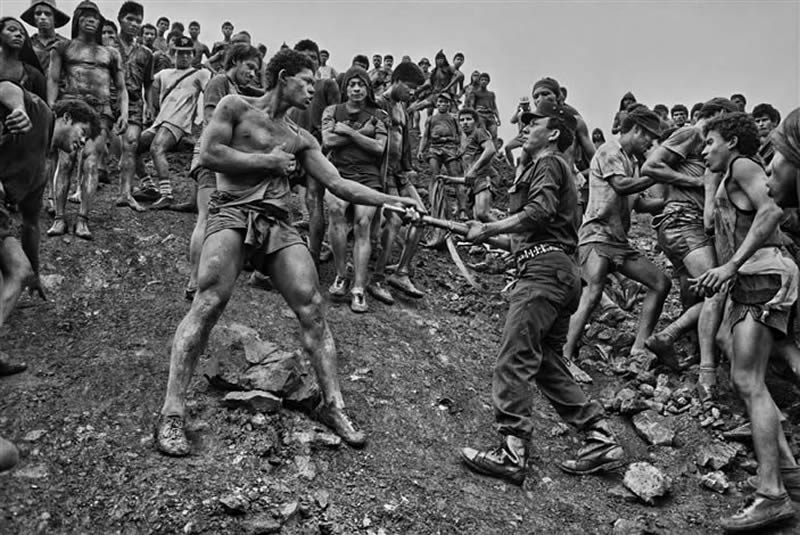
column 536, row 250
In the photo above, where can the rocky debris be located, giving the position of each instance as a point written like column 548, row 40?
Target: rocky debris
column 317, row 438
column 235, row 503
column 253, row 401
column 52, row 282
column 33, row 436
column 289, row 511
column 662, row 392
column 716, row 481
column 628, row 527
column 619, row 491
column 322, row 499
column 306, row 396
column 263, row 524
column 653, row 428
column 305, row 468
column 716, row 455
column 646, row 481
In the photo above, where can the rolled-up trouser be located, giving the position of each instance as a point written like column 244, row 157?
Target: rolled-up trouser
column 536, row 327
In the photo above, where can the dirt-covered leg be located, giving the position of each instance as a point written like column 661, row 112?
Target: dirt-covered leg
column 294, row 275
column 220, row 264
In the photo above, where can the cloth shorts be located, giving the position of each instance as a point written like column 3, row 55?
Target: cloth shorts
column 679, row 234
column 443, row 153
column 616, row 254
column 136, row 113
column 748, row 295
column 264, row 233
column 176, row 131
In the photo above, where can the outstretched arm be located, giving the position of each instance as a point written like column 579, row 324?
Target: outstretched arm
column 319, row 168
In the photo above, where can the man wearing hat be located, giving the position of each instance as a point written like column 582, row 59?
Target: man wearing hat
column 678, row 164
column 46, row 17
column 604, row 246
column 174, row 95
column 83, row 69
column 543, row 228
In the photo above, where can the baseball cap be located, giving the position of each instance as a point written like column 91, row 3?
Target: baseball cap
column 551, row 110
column 183, row 43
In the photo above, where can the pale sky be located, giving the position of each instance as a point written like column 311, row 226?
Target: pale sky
column 664, row 51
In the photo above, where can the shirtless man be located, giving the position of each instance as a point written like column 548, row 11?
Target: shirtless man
column 253, row 146
column 161, row 44
column 325, row 70
column 458, row 88
column 524, row 106
column 483, row 101
column 138, row 64
column 46, row 17
column 377, row 65
column 222, row 46
column 28, row 149
column 84, row 69
column 200, row 49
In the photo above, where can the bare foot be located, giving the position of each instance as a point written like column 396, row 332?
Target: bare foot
column 82, row 229
column 75, row 198
column 130, row 202
column 59, row 227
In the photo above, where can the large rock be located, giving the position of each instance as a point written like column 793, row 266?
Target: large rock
column 228, row 355
column 305, row 397
column 281, row 374
column 646, row 481
column 716, row 455
column 262, row 524
column 653, row 428
column 253, row 401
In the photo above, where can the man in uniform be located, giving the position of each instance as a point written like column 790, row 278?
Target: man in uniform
column 544, row 236
column 253, row 146
column 46, row 17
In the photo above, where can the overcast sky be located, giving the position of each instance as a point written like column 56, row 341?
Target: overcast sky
column 664, row 51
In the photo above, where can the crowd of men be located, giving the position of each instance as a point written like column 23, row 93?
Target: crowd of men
column 266, row 129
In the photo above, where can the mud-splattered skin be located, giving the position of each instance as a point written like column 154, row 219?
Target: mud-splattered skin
column 87, row 69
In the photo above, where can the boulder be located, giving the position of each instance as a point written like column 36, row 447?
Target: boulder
column 279, row 374
column 646, row 481
column 654, row 428
column 716, row 455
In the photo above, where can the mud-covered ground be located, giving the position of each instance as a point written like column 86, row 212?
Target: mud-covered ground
column 415, row 375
